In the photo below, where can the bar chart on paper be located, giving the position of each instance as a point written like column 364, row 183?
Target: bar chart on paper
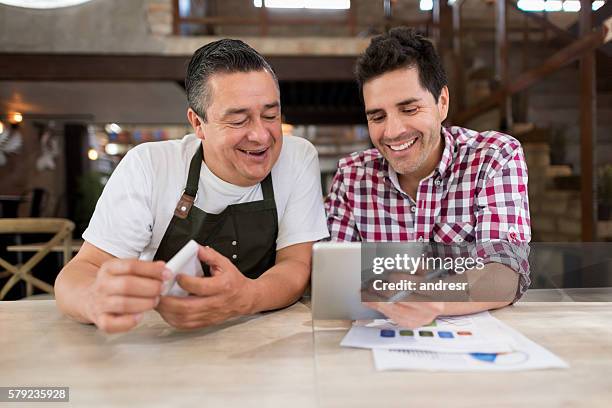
column 476, row 333
column 477, row 342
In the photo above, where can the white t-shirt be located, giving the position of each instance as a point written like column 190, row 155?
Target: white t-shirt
column 139, row 199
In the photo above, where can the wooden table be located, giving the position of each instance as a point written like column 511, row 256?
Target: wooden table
column 277, row 359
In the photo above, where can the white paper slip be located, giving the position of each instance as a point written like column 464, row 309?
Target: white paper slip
column 527, row 355
column 185, row 261
column 461, row 334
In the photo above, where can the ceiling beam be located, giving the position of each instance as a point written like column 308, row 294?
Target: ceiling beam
column 110, row 67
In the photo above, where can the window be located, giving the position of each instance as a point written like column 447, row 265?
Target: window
column 556, row 5
column 308, row 4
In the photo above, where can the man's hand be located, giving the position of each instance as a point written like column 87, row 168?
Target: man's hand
column 228, row 293
column 123, row 290
column 493, row 287
column 409, row 314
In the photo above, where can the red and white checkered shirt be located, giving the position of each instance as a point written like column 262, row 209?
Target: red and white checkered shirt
column 477, row 194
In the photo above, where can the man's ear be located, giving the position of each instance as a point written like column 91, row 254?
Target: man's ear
column 443, row 103
column 196, row 122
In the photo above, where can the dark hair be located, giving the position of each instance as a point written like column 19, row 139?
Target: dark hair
column 402, row 47
column 222, row 56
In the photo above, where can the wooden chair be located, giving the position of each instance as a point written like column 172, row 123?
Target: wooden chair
column 62, row 229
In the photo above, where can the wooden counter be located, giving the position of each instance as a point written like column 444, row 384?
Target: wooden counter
column 277, row 359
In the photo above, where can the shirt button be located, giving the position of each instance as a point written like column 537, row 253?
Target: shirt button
column 438, row 182
column 234, row 243
column 459, row 239
column 234, row 256
column 420, row 239
column 413, row 209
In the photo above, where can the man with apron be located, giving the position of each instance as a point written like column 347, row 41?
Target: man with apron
column 249, row 196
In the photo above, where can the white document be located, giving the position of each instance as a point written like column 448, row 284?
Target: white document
column 526, row 355
column 476, row 333
column 185, row 261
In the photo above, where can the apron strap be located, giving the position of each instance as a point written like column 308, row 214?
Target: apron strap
column 191, row 189
column 267, row 188
column 194, row 173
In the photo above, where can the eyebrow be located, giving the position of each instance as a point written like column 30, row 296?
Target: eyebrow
column 402, row 103
column 408, row 101
column 275, row 104
column 242, row 111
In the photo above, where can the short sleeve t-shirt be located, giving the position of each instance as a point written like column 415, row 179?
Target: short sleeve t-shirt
column 139, row 199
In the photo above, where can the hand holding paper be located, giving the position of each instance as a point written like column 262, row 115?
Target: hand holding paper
column 208, row 300
column 186, row 262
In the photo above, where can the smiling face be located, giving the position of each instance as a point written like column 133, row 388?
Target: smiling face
column 404, row 121
column 242, row 136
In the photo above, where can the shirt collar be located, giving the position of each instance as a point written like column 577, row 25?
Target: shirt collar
column 447, row 153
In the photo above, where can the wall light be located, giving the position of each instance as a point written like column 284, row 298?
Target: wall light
column 111, row 149
column 571, row 5
column 553, row 5
column 112, row 128
column 426, row 5
column 15, row 118
column 92, row 154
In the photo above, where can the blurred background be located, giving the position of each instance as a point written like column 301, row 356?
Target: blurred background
column 84, row 81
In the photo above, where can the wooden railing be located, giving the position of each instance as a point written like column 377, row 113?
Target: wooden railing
column 265, row 20
column 561, row 58
column 580, row 48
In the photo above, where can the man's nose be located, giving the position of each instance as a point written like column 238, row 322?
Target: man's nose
column 394, row 127
column 258, row 132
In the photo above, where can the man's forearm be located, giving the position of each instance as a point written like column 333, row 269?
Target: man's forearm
column 72, row 289
column 463, row 308
column 492, row 287
column 280, row 286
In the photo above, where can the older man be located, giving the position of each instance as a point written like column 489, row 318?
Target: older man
column 249, row 196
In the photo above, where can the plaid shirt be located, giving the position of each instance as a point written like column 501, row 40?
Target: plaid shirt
column 477, row 194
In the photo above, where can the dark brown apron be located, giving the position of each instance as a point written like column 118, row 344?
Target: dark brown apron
column 244, row 233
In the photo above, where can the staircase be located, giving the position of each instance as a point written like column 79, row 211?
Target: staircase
column 550, row 134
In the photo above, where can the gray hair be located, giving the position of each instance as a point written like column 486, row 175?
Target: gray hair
column 222, row 56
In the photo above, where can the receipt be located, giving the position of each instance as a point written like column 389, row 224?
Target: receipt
column 185, row 261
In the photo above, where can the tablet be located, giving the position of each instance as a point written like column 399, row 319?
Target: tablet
column 336, row 282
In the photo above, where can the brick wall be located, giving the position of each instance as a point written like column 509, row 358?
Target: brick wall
column 555, row 214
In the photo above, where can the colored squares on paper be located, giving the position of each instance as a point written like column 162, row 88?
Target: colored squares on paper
column 406, row 333
column 464, row 333
column 426, row 333
column 445, row 335
column 387, row 333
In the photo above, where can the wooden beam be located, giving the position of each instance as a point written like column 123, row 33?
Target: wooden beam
column 459, row 80
column 501, row 62
column 588, row 120
column 114, row 67
column 263, row 20
column 443, row 26
column 176, row 16
column 84, row 67
column 304, row 116
column 352, row 19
